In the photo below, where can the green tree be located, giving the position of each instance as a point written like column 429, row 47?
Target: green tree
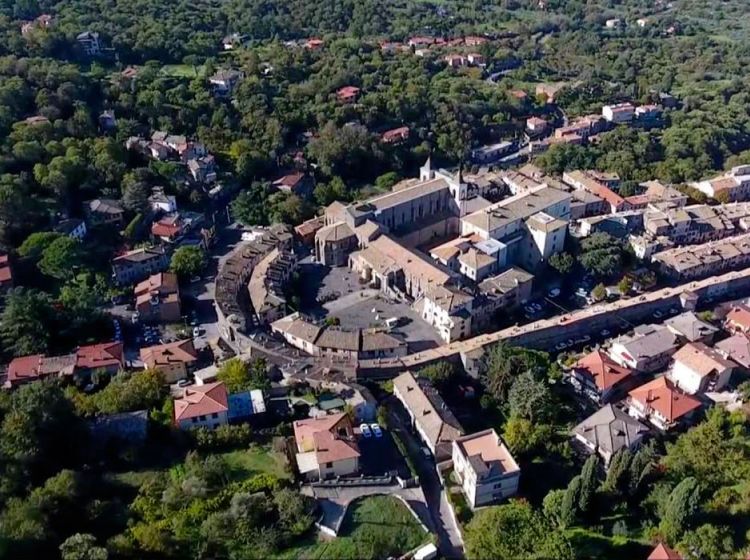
column 530, row 398
column 680, row 509
column 617, row 473
column 130, row 391
column 439, row 373
column 589, row 484
column 601, row 255
column 570, row 502
column 249, row 208
column 326, row 193
column 552, row 505
column 235, row 374
column 26, row 322
column 599, row 293
column 62, row 258
column 514, row 530
column 82, row 547
column 188, row 261
column 562, row 263
column 706, row 543
column 35, row 244
column 625, row 285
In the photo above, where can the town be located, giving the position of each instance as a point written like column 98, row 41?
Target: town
column 433, row 286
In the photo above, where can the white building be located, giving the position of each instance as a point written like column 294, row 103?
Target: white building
column 648, row 349
column 735, row 183
column 619, row 113
column 448, row 310
column 698, row 368
column 203, row 406
column 485, row 467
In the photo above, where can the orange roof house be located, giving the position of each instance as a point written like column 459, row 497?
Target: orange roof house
column 348, row 94
column 663, row 552
column 200, row 403
column 173, row 360
column 663, row 404
column 107, row 355
column 326, row 446
column 600, row 376
column 738, row 319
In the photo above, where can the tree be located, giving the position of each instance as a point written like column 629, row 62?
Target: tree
column 552, row 505
column 569, row 509
column 130, row 391
column 333, row 190
column 514, row 530
column 625, row 285
column 617, row 473
column 188, row 261
column 295, row 511
column 589, row 483
column 530, row 398
column 26, row 322
column 562, row 263
column 439, row 373
column 706, row 543
column 601, row 255
column 35, row 244
column 61, row 258
column 82, row 547
column 504, row 362
column 136, row 190
column 599, row 293
column 249, row 208
column 680, row 509
column 238, row 375
column 523, row 436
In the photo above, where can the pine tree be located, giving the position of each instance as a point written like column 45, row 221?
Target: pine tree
column 589, row 483
column 569, row 509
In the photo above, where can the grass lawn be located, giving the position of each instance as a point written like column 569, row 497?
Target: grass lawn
column 374, row 527
column 181, row 70
column 588, row 544
column 245, row 463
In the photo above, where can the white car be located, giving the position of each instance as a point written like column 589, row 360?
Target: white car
column 196, row 331
column 365, row 429
column 554, row 292
column 376, row 431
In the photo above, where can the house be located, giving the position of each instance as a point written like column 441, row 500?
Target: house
column 663, row 552
column 348, row 94
column 203, row 169
column 202, row 406
column 138, row 264
column 486, row 469
column 430, row 416
column 161, row 202
column 649, row 348
column 641, row 22
column 107, row 120
column 232, row 41
column 6, row 274
column 101, row 211
column 618, row 114
column 314, row 43
column 130, row 427
column 662, row 404
column 158, row 298
column 306, row 230
column 734, row 185
column 246, row 405
column 89, row 43
column 536, row 125
column 72, row 227
column 224, row 81
column 475, row 59
column 698, row 368
column 395, row 135
column 612, row 23
column 449, row 311
column 610, row 430
column 294, row 183
column 691, row 328
column 736, row 348
column 326, row 447
column 647, row 112
column 175, row 360
column 491, row 152
column 738, row 319
column 599, row 377
column 108, row 357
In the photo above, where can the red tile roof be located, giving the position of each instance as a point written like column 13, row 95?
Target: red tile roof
column 24, row 368
column 347, row 92
column 604, row 371
column 165, row 354
column 305, row 430
column 661, row 395
column 330, row 448
column 6, row 275
column 201, row 400
column 107, row 354
column 162, row 229
column 395, row 134
column 663, row 552
column 290, row 181
column 739, row 318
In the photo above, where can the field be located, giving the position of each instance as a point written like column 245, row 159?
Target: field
column 255, row 460
column 373, row 523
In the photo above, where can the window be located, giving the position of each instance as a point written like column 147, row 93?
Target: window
column 215, row 415
column 329, row 465
column 202, row 417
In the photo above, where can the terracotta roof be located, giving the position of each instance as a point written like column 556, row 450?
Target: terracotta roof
column 200, row 400
column 661, row 395
column 304, row 430
column 161, row 229
column 395, row 134
column 290, row 181
column 102, row 355
column 164, row 354
column 330, row 448
column 163, row 282
column 347, row 91
column 25, row 367
column 663, row 552
column 335, row 232
column 6, row 275
column 739, row 317
column 603, row 370
column 701, row 359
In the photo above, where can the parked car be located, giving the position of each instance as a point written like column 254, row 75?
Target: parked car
column 376, row 431
column 365, row 429
column 197, row 331
column 554, row 292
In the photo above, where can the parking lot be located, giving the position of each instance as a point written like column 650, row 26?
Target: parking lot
column 381, row 456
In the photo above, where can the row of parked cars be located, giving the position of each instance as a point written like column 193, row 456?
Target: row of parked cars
column 371, row 430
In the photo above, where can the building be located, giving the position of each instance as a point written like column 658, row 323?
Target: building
column 108, row 357
column 157, row 298
column 698, row 368
column 348, row 94
column 294, row 183
column 448, row 310
column 647, row 113
column 732, row 186
column 663, row 552
column 89, row 43
column 138, row 264
column 613, row 23
column 736, row 348
column 648, row 349
column 395, row 135
column 710, row 259
column 6, row 274
column 600, row 378
column 174, row 360
column 690, row 328
column 487, row 471
column 224, row 81
column 162, row 203
column 738, row 319
column 326, row 447
column 334, row 243
column 72, row 227
column 584, row 180
column 620, row 113
column 662, row 404
column 203, row 169
column 267, row 282
column 536, row 125
column 492, row 152
column 202, row 406
column 430, row 416
column 102, row 211
column 610, row 430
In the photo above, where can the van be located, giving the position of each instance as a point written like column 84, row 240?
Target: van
column 392, row 322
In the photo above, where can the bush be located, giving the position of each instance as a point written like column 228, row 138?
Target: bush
column 223, row 437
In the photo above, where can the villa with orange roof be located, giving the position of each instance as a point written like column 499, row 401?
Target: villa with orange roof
column 599, row 377
column 738, row 319
column 662, row 404
column 698, row 368
column 663, row 552
column 204, row 406
column 173, row 360
column 326, row 447
column 487, row 470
